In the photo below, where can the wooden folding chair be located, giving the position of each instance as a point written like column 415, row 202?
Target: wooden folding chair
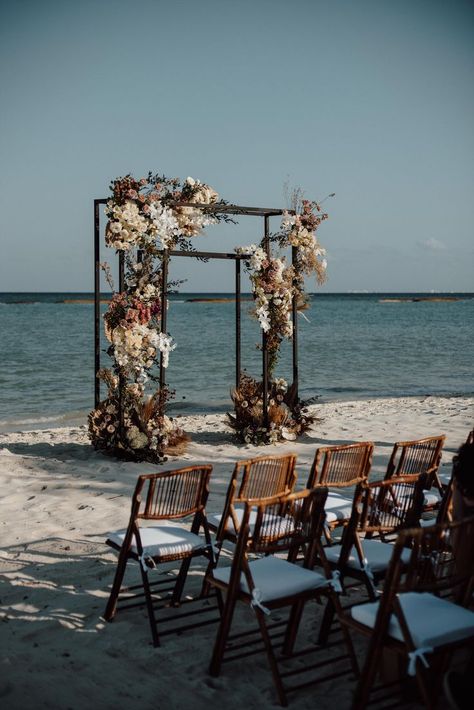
column 422, row 612
column 340, row 468
column 163, row 498
column 280, row 524
column 259, row 477
column 419, row 456
column 380, row 510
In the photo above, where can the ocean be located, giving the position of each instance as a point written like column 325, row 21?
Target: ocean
column 351, row 346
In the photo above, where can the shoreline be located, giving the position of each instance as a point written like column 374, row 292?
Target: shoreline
column 27, row 423
column 60, row 498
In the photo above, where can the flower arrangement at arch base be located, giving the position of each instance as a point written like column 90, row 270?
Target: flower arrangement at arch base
column 287, row 417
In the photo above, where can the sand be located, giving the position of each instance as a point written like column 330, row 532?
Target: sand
column 59, row 499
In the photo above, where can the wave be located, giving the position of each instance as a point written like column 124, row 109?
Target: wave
column 73, row 418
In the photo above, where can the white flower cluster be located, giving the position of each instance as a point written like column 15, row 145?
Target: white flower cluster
column 135, row 348
column 192, row 220
column 204, row 195
column 127, row 227
column 163, row 343
column 256, row 255
column 136, row 438
column 305, row 241
column 163, row 224
column 281, row 384
column 280, row 298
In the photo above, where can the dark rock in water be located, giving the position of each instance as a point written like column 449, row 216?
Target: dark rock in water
column 417, row 299
column 216, row 300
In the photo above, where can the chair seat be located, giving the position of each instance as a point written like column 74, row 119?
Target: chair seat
column 377, row 554
column 162, row 540
column 276, row 578
column 269, row 519
column 337, row 508
column 432, row 621
column 430, row 498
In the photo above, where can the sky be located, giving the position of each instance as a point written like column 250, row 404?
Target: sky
column 372, row 100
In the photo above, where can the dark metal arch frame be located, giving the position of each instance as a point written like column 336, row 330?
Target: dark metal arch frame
column 217, row 208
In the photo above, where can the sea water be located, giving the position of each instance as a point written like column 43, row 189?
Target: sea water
column 351, row 346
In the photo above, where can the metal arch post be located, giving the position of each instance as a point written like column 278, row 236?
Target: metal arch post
column 96, row 302
column 238, row 366
column 164, row 294
column 294, row 314
column 121, row 377
column 266, row 246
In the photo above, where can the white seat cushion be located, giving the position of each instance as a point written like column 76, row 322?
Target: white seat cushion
column 431, row 498
column 337, row 508
column 432, row 621
column 162, row 540
column 377, row 554
column 276, row 578
column 214, row 521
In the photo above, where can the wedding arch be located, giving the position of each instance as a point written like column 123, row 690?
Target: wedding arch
column 150, row 222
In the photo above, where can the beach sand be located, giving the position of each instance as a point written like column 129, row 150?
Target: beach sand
column 59, row 499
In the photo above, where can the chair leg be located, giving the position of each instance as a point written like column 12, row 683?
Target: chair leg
column 149, row 605
column 367, row 677
column 271, row 657
column 220, row 601
column 350, row 650
column 180, row 581
column 206, row 587
column 111, row 608
column 292, row 627
column 429, row 698
column 222, row 635
column 326, row 623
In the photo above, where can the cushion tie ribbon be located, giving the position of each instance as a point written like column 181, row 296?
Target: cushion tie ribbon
column 418, row 653
column 257, row 601
column 335, row 581
column 143, row 558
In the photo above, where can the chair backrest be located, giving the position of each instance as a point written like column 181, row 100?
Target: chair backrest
column 263, row 476
column 445, row 510
column 440, row 561
column 416, row 456
column 341, row 466
column 283, row 523
column 171, row 494
column 392, row 504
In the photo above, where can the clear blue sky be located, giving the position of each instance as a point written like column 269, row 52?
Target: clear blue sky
column 370, row 99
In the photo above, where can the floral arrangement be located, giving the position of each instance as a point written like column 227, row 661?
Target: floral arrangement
column 144, row 217
column 275, row 287
column 287, row 417
column 145, row 214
